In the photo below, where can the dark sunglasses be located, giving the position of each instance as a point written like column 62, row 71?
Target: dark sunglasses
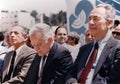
column 117, row 33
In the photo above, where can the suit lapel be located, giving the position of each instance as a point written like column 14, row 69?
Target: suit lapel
column 6, row 63
column 21, row 54
column 35, row 67
column 105, row 53
column 7, row 60
column 82, row 58
column 33, row 71
column 50, row 56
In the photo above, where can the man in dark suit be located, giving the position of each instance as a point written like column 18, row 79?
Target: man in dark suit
column 105, row 68
column 58, row 59
column 15, row 70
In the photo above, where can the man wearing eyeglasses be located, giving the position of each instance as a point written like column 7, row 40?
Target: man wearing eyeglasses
column 98, row 61
column 53, row 61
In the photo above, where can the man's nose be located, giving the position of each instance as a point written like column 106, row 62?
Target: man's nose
column 12, row 34
column 91, row 21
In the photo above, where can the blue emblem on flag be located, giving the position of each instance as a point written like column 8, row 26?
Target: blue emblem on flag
column 79, row 19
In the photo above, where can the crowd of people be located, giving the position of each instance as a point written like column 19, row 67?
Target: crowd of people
column 41, row 56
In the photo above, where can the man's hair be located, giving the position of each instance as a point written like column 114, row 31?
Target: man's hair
column 116, row 22
column 59, row 28
column 110, row 11
column 74, row 36
column 1, row 36
column 43, row 29
column 25, row 30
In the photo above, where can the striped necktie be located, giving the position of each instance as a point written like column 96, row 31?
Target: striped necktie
column 41, row 70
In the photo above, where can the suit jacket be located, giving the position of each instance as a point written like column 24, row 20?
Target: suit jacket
column 3, row 51
column 21, row 65
column 107, row 70
column 57, row 65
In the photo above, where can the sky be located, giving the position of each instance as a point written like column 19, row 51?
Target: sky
column 42, row 6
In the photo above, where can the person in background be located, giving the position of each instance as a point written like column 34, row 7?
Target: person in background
column 98, row 61
column 116, row 23
column 2, row 42
column 88, row 37
column 53, row 61
column 7, row 39
column 28, row 42
column 73, row 40
column 3, row 50
column 17, row 61
column 61, row 35
column 116, row 33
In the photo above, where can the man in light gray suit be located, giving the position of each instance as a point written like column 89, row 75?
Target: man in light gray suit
column 105, row 69
column 15, row 70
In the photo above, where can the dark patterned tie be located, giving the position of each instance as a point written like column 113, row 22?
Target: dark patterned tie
column 89, row 65
column 11, row 64
column 41, row 71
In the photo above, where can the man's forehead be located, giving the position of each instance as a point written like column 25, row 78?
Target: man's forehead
column 17, row 29
column 63, row 30
column 98, row 12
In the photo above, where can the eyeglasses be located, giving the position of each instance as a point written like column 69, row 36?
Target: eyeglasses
column 116, row 33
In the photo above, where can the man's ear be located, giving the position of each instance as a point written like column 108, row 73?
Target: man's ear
column 50, row 40
column 25, row 37
column 110, row 23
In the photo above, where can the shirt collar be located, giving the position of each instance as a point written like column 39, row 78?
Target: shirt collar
column 1, row 42
column 18, row 49
column 104, row 40
column 50, row 47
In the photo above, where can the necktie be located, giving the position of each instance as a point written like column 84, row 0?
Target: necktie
column 11, row 64
column 89, row 65
column 41, row 71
